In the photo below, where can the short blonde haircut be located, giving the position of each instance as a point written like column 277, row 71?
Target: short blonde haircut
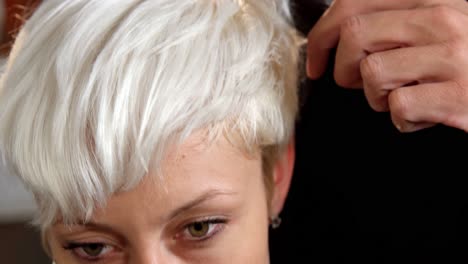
column 95, row 90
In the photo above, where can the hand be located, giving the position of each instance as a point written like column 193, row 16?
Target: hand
column 411, row 57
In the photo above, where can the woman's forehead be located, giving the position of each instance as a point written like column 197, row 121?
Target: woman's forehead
column 190, row 172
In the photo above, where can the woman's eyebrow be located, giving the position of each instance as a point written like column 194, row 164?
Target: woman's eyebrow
column 101, row 227
column 206, row 196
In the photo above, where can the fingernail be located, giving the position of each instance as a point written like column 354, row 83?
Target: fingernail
column 408, row 127
column 399, row 127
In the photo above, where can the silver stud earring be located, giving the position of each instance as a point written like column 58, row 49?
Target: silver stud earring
column 275, row 222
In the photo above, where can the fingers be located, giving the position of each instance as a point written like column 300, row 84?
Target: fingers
column 420, row 106
column 363, row 35
column 408, row 127
column 411, row 60
column 326, row 33
column 385, row 71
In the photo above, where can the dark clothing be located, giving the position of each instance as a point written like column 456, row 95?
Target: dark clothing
column 364, row 193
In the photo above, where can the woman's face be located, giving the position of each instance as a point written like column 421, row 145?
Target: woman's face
column 209, row 206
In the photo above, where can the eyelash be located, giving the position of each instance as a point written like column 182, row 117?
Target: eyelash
column 216, row 225
column 78, row 250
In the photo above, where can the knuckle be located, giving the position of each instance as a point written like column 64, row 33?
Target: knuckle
column 399, row 105
column 372, row 70
column 442, row 13
column 377, row 100
column 461, row 92
column 341, row 80
column 377, row 106
column 344, row 78
column 455, row 117
column 351, row 27
column 450, row 19
column 455, row 53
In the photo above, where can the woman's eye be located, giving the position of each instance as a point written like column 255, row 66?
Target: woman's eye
column 199, row 230
column 93, row 250
column 203, row 230
column 90, row 251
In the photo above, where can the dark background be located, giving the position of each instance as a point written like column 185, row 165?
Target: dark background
column 20, row 244
column 364, row 193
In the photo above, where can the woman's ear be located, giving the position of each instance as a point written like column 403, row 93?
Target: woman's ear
column 282, row 175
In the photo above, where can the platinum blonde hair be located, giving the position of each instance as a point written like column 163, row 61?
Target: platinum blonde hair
column 95, row 90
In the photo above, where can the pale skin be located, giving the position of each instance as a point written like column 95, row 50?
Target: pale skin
column 409, row 56
column 211, row 208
